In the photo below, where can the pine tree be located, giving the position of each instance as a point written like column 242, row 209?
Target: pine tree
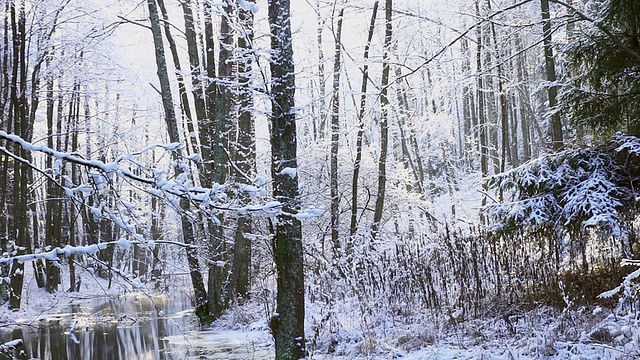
column 607, row 56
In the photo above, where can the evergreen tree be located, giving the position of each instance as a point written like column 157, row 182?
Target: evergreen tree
column 606, row 55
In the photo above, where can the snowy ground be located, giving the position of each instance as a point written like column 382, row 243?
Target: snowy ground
column 537, row 334
column 540, row 333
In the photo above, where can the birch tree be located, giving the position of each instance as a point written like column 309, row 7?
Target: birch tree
column 335, row 135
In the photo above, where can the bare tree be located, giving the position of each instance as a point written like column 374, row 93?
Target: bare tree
column 172, row 128
column 335, row 135
column 353, row 227
column 384, row 124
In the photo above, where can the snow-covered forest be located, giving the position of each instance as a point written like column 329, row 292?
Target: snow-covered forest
column 322, row 178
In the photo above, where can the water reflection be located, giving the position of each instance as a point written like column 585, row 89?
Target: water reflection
column 128, row 327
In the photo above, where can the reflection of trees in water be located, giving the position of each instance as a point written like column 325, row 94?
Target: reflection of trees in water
column 122, row 328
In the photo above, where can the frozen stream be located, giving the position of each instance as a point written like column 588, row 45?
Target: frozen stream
column 132, row 326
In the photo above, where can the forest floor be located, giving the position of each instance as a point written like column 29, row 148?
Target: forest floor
column 542, row 332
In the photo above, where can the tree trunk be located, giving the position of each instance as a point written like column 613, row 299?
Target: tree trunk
column 467, row 104
column 552, row 88
column 484, row 142
column 54, row 211
column 353, row 227
column 384, row 124
column 502, row 101
column 24, row 128
column 320, row 127
column 182, row 89
column 245, row 153
column 335, row 136
column 172, row 128
column 288, row 322
column 194, row 61
column 223, row 123
column 523, row 96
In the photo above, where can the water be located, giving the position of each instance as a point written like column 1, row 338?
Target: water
column 132, row 326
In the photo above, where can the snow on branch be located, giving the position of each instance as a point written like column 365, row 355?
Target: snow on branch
column 10, row 346
column 157, row 183
column 570, row 190
column 68, row 250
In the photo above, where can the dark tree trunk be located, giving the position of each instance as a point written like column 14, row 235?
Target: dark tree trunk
column 482, row 123
column 194, row 61
column 53, row 214
column 552, row 88
column 182, row 89
column 288, row 322
column 384, row 124
column 223, row 125
column 245, row 154
column 21, row 174
column 172, row 128
column 353, row 227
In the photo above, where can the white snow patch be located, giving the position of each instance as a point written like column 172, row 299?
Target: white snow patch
column 292, row 172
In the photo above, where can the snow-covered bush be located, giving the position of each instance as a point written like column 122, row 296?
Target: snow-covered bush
column 574, row 190
column 583, row 204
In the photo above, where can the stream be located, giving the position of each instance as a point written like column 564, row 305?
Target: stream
column 131, row 326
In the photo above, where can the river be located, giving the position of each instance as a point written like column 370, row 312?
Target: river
column 131, row 326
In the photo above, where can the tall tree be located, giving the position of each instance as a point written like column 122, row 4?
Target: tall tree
column 18, row 115
column 384, row 123
column 335, row 134
column 353, row 227
column 172, row 128
column 222, row 120
column 550, row 71
column 245, row 151
column 194, row 61
column 605, row 58
column 482, row 123
column 53, row 215
column 288, row 322
column 182, row 87
column 320, row 125
column 502, row 98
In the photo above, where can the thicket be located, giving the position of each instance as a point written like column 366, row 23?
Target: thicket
column 563, row 234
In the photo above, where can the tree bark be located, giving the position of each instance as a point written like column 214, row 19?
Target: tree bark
column 320, row 127
column 172, row 128
column 182, row 89
column 223, row 123
column 502, row 101
column 384, row 124
column 194, row 62
column 552, row 88
column 54, row 210
column 288, row 322
column 353, row 227
column 245, row 153
column 18, row 114
column 335, row 136
column 482, row 124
